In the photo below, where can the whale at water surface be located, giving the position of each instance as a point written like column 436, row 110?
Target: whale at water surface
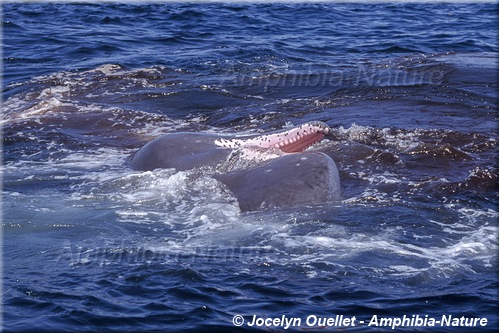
column 263, row 171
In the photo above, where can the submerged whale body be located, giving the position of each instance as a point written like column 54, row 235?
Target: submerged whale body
column 290, row 180
column 263, row 171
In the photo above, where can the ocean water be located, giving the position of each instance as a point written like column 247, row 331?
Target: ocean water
column 409, row 90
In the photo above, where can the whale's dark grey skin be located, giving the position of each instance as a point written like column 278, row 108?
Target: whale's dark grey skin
column 264, row 171
column 290, row 180
column 181, row 151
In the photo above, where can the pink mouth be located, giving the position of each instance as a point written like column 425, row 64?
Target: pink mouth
column 301, row 143
column 294, row 140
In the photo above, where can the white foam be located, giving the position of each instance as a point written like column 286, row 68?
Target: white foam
column 199, row 212
column 401, row 140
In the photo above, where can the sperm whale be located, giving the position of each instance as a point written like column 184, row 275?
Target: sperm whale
column 263, row 171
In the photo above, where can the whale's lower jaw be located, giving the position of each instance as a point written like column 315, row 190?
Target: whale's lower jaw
column 293, row 140
column 302, row 142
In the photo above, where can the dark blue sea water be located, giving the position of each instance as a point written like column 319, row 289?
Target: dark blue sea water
column 409, row 90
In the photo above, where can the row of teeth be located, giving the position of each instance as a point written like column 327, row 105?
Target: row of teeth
column 316, row 129
column 287, row 142
column 235, row 143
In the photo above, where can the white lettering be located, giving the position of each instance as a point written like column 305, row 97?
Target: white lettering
column 283, row 321
column 414, row 320
column 313, row 322
column 373, row 321
column 463, row 321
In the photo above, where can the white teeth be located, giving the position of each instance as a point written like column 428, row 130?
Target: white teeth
column 280, row 139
